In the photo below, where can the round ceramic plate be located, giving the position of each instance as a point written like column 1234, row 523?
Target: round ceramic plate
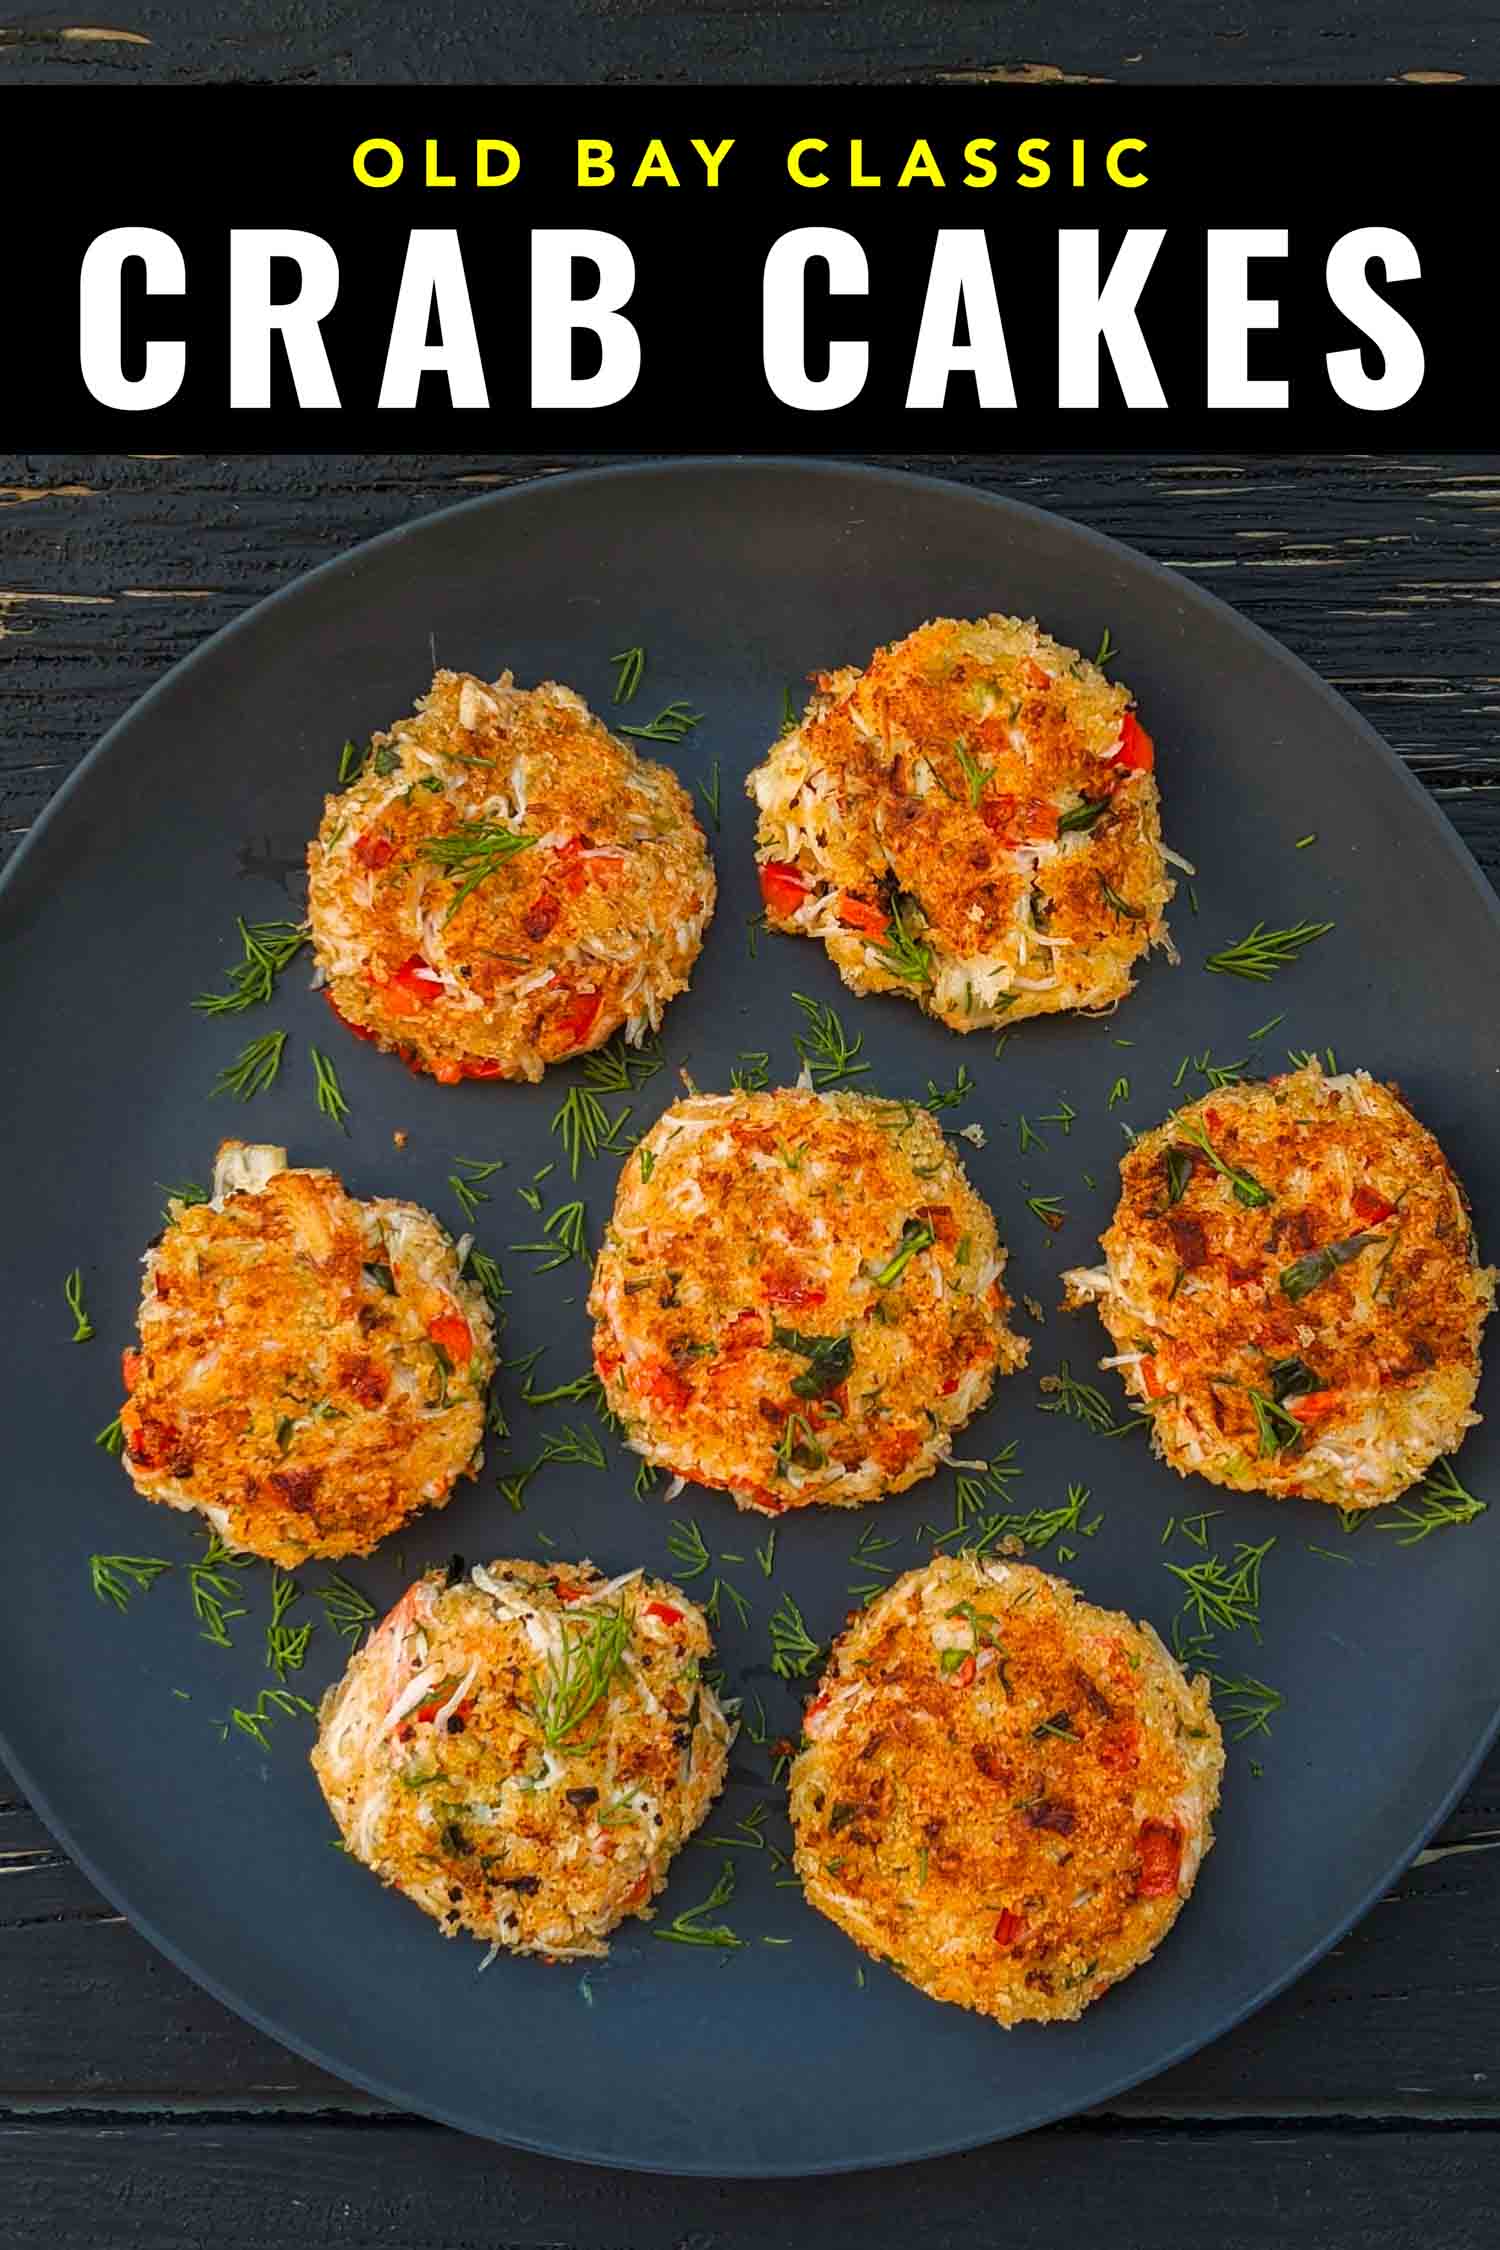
column 787, row 2054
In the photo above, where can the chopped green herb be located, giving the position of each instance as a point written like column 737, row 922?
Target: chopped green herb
column 347, row 1610
column 577, row 1674
column 83, row 1327
column 794, row 1652
column 1247, row 1189
column 829, row 1358
column 1438, row 1502
column 112, row 1438
column 826, row 1049
column 1299, row 1279
column 916, row 1235
column 902, row 951
column 673, row 723
column 254, row 1069
column 691, row 1927
column 108, row 1575
column 475, row 850
column 270, row 1704
column 268, row 948
column 709, row 792
column 687, row 1548
column 1258, row 956
column 632, row 666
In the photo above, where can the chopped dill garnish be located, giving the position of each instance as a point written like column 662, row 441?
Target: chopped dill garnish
column 465, row 1179
column 788, row 711
column 754, row 924
column 690, row 1926
column 1119, row 1092
column 586, row 1386
column 752, row 1074
column 902, row 951
column 794, row 1652
column 618, row 1068
column 709, row 792
column 564, row 1239
column 949, row 1097
column 268, row 948
column 254, row 1068
column 1082, row 1402
column 329, row 1093
column 570, row 1444
column 1261, row 1029
column 1121, row 906
column 1030, row 1139
column 186, row 1192
column 214, row 1589
column 351, row 758
column 268, row 1705
column 916, row 1234
column 685, row 1545
column 645, row 1478
column 673, row 723
column 631, row 664
column 108, row 1575
column 484, row 1269
column 1259, row 956
column 83, row 1327
column 648, row 1163
column 1049, row 1209
column 1303, row 841
column 1247, row 1189
column 476, row 849
column 585, row 1126
column 286, row 1645
column 112, row 1438
column 1225, row 1596
column 766, row 1555
column 1248, row 1704
column 1038, row 1527
column 824, row 1047
column 1439, row 1500
column 751, row 1836
column 1106, row 651
column 347, row 1610
column 577, row 1674
column 976, row 776
column 721, row 1591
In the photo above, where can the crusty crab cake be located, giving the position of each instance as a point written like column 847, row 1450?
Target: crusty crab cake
column 799, row 1297
column 971, row 820
column 523, row 1749
column 505, row 885
column 1004, row 1792
column 311, row 1370
column 1293, row 1292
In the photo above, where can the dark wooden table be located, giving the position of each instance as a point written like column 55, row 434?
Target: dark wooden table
column 1362, row 2108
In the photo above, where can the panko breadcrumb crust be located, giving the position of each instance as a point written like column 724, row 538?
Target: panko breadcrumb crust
column 1292, row 1288
column 971, row 820
column 799, row 1297
column 1004, row 1792
column 311, row 1370
column 595, row 891
column 448, row 1759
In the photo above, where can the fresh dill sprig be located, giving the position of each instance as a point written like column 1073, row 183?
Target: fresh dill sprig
column 580, row 1386
column 465, row 1181
column 83, row 1327
column 1439, row 1500
column 976, row 777
column 1038, row 1527
column 766, row 1555
column 632, row 666
column 685, row 1544
column 1261, row 1030
column 328, row 1092
column 752, row 1073
column 476, row 850
column 709, row 792
column 617, row 1068
column 347, row 1610
column 268, row 1705
column 215, row 1590
column 720, row 1592
column 186, row 1192
column 794, row 1652
column 351, row 758
column 788, row 711
column 254, row 1068
column 484, row 1269
column 112, row 1438
column 577, row 1674
column 673, row 723
column 286, row 1645
column 268, row 948
column 1063, row 1115
column 974, row 1485
column 1049, row 1209
column 1247, row 1189
column 564, row 1239
column 1225, row 1596
column 1119, row 905
column 690, row 1927
column 949, row 1097
column 645, row 1479
column 902, row 951
column 1028, row 1137
column 868, row 1549
column 1259, row 955
column 1106, row 651
column 825, row 1047
column 1248, row 1704
column 570, row 1444
column 1082, row 1402
column 108, row 1575
column 585, row 1126
column 1119, row 1092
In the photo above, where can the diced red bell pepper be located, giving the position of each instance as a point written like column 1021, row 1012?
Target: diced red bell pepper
column 783, row 887
column 447, row 1072
column 858, row 915
column 451, row 1331
column 665, row 1611
column 574, row 1021
column 1160, row 1846
column 663, row 1386
column 964, row 1676
column 1312, row 1404
column 784, row 1288
column 1009, row 1927
column 416, row 982
column 1151, row 1377
column 542, row 916
column 483, row 1069
column 374, row 851
column 131, row 1363
column 1371, row 1208
column 1137, row 751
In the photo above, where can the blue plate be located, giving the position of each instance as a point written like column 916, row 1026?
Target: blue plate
column 738, row 577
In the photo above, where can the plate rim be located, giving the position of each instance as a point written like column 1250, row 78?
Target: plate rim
column 665, row 468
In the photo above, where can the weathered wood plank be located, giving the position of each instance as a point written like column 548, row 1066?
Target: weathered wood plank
column 365, row 2185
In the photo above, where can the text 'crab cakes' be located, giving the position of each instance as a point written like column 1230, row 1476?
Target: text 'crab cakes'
column 798, row 1298
column 522, row 1749
column 505, row 885
column 971, row 820
column 1292, row 1288
column 1004, row 1792
column 311, row 1370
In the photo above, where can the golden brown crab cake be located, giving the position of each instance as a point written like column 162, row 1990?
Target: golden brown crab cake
column 505, row 884
column 799, row 1297
column 523, row 1749
column 1003, row 1792
column 1293, row 1291
column 312, row 1369
column 972, row 820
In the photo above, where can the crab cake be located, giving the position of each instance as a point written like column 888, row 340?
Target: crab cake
column 523, row 1749
column 1003, row 1792
column 505, row 885
column 798, row 1298
column 312, row 1369
column 1293, row 1291
column 973, row 821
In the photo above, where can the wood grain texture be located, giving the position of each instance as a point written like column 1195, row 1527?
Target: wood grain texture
column 134, row 2110
column 729, row 42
